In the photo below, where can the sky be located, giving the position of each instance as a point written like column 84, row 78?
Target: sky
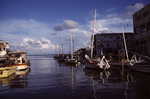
column 42, row 26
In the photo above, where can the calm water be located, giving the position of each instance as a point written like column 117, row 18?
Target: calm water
column 50, row 79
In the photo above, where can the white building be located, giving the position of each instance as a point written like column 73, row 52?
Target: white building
column 3, row 48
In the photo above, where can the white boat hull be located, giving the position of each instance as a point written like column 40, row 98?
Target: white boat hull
column 142, row 67
column 22, row 72
column 92, row 65
column 20, row 66
column 69, row 61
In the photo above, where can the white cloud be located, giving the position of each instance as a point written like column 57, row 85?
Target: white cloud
column 40, row 45
column 35, row 36
column 68, row 24
column 110, row 22
column 130, row 10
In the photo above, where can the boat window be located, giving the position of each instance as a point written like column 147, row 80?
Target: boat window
column 23, row 60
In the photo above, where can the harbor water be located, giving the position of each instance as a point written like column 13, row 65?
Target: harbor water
column 49, row 79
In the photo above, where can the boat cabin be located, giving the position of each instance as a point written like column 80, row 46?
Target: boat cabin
column 3, row 48
column 18, row 57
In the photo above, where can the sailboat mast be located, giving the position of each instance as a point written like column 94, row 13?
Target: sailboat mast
column 62, row 44
column 71, row 48
column 124, row 42
column 73, row 42
column 93, row 35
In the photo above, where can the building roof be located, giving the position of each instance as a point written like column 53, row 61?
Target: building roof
column 113, row 33
column 3, row 42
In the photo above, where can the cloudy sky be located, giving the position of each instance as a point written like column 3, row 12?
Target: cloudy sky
column 39, row 26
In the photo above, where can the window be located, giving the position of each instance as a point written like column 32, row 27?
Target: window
column 145, row 14
column 136, row 30
column 148, row 26
column 118, row 37
column 107, row 44
column 142, row 28
column 137, row 43
column 100, row 45
column 117, row 44
column 139, row 18
column 143, row 42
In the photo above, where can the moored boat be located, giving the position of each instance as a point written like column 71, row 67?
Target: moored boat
column 96, row 63
column 143, row 66
column 23, row 72
column 20, row 60
column 7, row 71
column 72, row 59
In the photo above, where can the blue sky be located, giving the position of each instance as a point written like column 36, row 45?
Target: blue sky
column 37, row 26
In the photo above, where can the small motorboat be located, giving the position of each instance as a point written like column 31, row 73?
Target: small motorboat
column 7, row 71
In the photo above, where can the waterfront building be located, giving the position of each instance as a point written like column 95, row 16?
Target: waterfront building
column 3, row 48
column 111, row 43
column 141, row 24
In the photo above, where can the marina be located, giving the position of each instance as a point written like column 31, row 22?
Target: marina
column 76, row 58
column 50, row 78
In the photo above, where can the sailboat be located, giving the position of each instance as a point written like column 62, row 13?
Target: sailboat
column 126, row 62
column 98, row 63
column 71, row 60
column 61, row 56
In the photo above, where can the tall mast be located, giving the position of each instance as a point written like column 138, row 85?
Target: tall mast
column 62, row 44
column 73, row 42
column 125, row 42
column 71, row 48
column 55, row 49
column 93, row 35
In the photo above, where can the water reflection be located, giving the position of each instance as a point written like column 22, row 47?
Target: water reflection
column 68, row 74
column 7, row 81
column 100, row 76
column 141, row 83
column 21, row 79
column 17, row 80
column 49, row 78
